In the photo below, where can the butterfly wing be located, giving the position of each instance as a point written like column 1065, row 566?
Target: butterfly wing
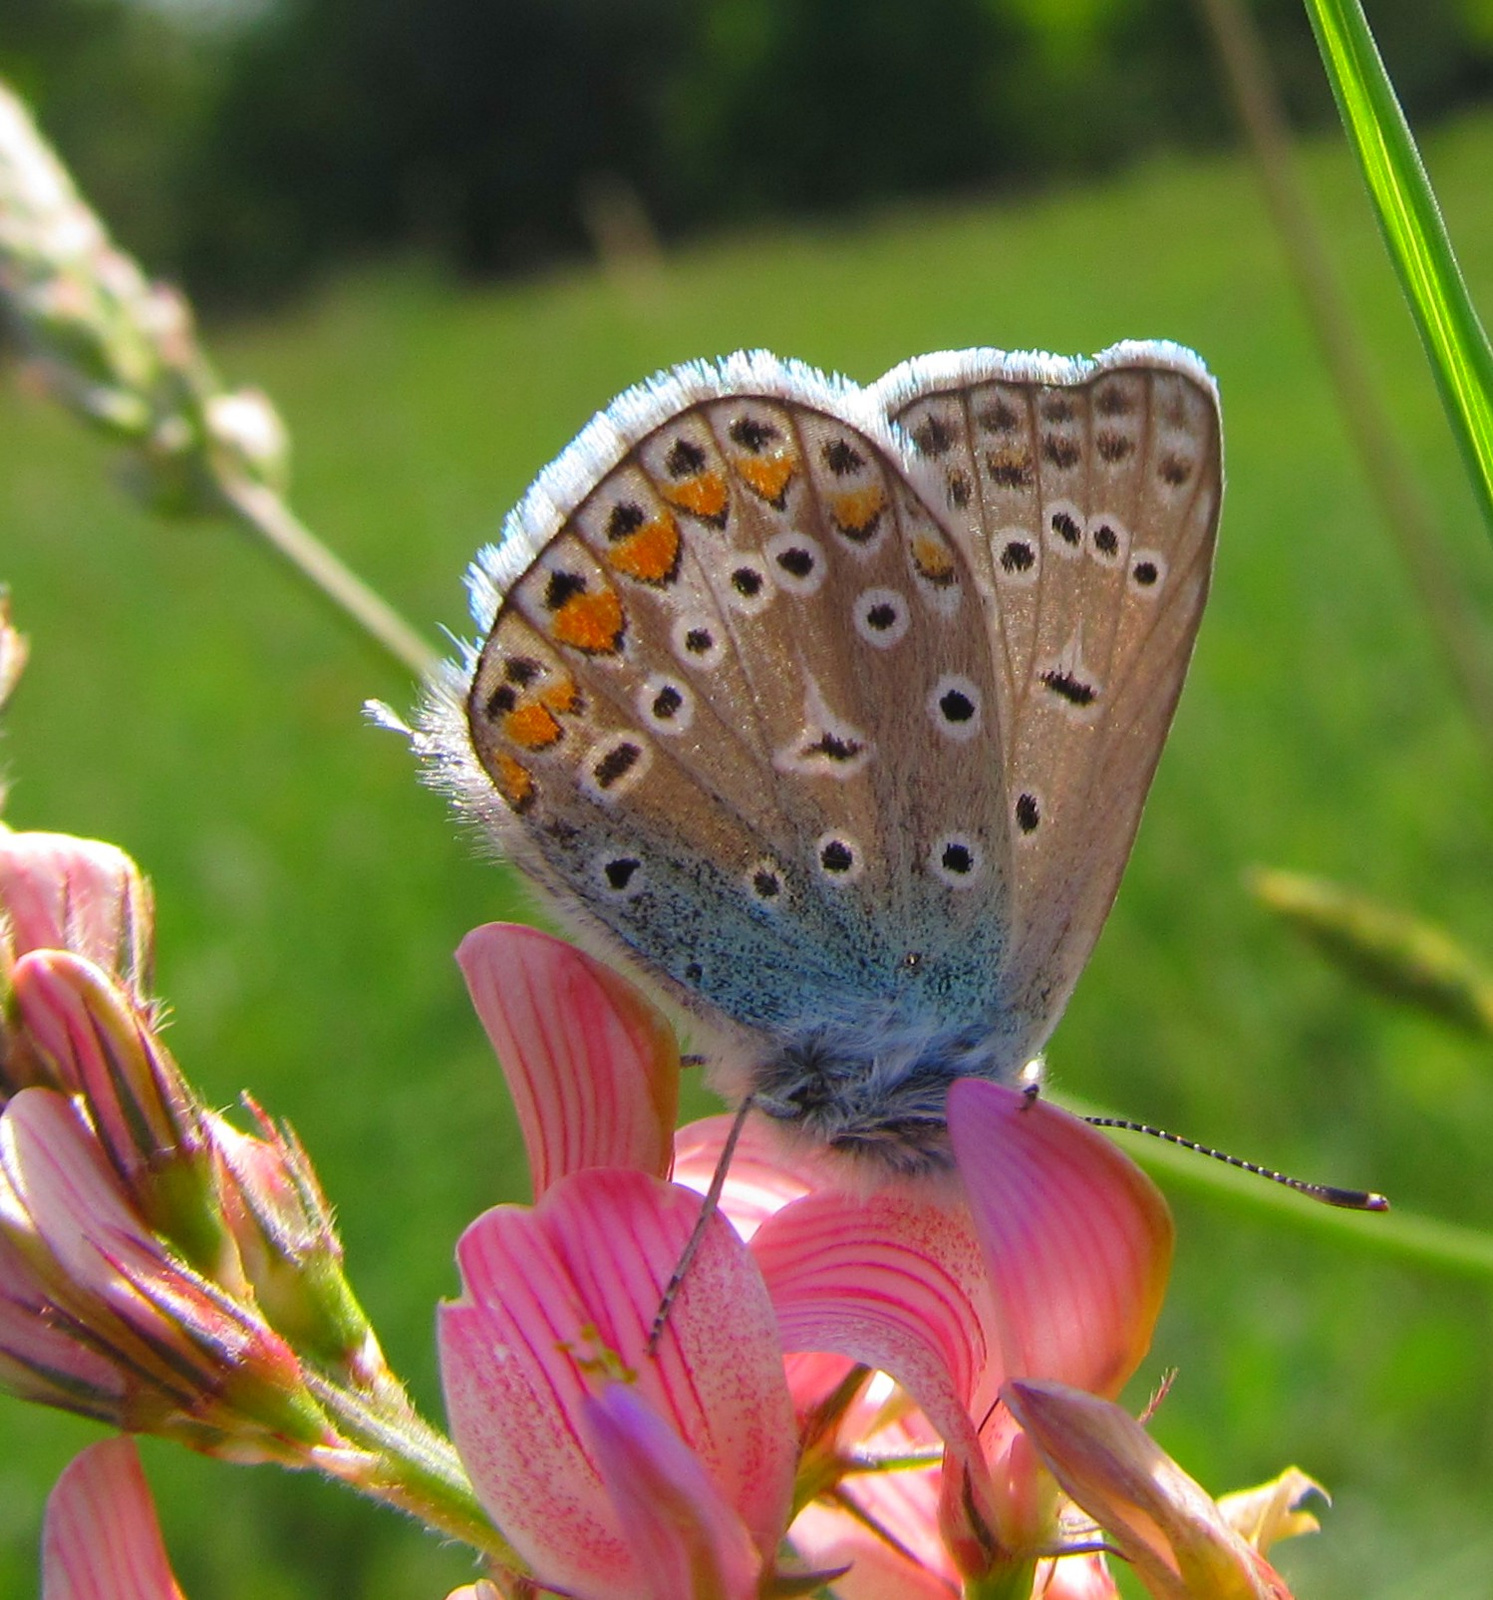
column 1085, row 496
column 735, row 707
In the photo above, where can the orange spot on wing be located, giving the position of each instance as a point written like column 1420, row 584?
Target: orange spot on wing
column 856, row 512
column 562, row 697
column 532, row 726
column 649, row 553
column 514, row 782
column 768, row 476
column 704, row 495
column 933, row 559
column 590, row 622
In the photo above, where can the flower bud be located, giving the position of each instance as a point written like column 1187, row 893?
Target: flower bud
column 180, row 1357
column 290, row 1251
column 61, row 893
column 93, row 1042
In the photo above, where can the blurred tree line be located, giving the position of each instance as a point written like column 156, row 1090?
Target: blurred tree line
column 242, row 144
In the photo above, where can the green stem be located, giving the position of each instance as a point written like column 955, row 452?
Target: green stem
column 1421, row 1241
column 413, row 1467
column 1414, row 232
column 267, row 515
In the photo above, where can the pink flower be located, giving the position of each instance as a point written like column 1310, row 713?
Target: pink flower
column 1048, row 1258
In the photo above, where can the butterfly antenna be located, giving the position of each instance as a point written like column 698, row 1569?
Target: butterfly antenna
column 1328, row 1194
column 702, row 1222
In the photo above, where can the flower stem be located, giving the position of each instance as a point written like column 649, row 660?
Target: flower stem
column 265, row 513
column 409, row 1465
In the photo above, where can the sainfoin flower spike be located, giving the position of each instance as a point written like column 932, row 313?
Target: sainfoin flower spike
column 118, row 350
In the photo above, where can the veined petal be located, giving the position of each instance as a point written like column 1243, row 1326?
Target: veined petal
column 1163, row 1521
column 592, row 1065
column 40, row 1360
column 61, row 893
column 101, row 1540
column 1078, row 1240
column 894, row 1281
column 765, row 1173
column 559, row 1300
column 57, row 1188
column 682, row 1531
column 96, row 1044
column 883, row 1525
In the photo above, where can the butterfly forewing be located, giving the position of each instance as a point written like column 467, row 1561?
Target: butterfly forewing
column 1087, row 498
column 740, row 704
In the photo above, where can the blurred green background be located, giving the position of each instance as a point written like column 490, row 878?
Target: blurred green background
column 188, row 701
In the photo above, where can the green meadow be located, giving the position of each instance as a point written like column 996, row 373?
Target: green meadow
column 190, row 701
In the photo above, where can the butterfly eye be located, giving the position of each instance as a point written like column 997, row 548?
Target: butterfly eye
column 748, row 587
column 1065, row 529
column 1019, row 559
column 881, row 617
column 764, row 883
column 1028, row 813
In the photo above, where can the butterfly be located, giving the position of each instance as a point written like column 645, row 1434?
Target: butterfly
column 830, row 711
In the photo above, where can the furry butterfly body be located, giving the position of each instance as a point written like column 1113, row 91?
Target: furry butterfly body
column 832, row 710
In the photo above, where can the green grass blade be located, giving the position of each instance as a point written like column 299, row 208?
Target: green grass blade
column 1399, row 955
column 1461, row 357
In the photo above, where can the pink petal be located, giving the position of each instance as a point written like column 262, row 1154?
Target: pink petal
column 592, row 1065
column 826, row 1537
column 61, row 893
column 561, row 1298
column 62, row 1207
column 101, row 1540
column 886, row 1524
column 79, row 1020
column 39, row 1359
column 894, row 1281
column 1077, row 1239
column 681, row 1530
column 766, row 1172
column 1076, row 1578
column 56, row 1185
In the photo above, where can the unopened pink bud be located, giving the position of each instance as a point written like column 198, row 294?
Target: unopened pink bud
column 93, row 1040
column 61, row 893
